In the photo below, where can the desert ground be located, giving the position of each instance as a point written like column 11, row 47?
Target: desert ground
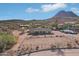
column 38, row 44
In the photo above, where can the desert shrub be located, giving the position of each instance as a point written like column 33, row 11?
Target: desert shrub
column 6, row 41
column 69, row 45
column 77, row 42
column 37, row 48
column 53, row 48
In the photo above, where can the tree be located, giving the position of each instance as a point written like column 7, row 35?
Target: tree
column 55, row 25
column 67, row 26
column 6, row 41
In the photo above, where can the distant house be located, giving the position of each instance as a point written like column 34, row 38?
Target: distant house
column 72, row 22
column 24, row 26
column 76, row 29
column 39, row 31
column 69, row 31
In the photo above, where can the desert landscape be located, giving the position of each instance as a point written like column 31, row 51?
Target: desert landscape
column 57, row 35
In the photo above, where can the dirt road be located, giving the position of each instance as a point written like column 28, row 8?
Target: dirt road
column 62, row 52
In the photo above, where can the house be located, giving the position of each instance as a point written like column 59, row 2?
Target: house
column 69, row 31
column 76, row 29
column 24, row 26
column 39, row 31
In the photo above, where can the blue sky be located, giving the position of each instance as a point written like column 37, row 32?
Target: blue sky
column 29, row 11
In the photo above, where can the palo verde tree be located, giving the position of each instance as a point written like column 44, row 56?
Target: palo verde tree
column 6, row 41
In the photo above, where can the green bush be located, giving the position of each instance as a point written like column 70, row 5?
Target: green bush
column 6, row 41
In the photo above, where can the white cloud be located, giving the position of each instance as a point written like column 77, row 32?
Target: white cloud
column 75, row 10
column 46, row 8
column 52, row 7
column 30, row 10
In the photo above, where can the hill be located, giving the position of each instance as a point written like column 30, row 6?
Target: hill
column 65, row 14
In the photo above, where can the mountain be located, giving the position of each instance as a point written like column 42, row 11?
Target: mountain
column 65, row 14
